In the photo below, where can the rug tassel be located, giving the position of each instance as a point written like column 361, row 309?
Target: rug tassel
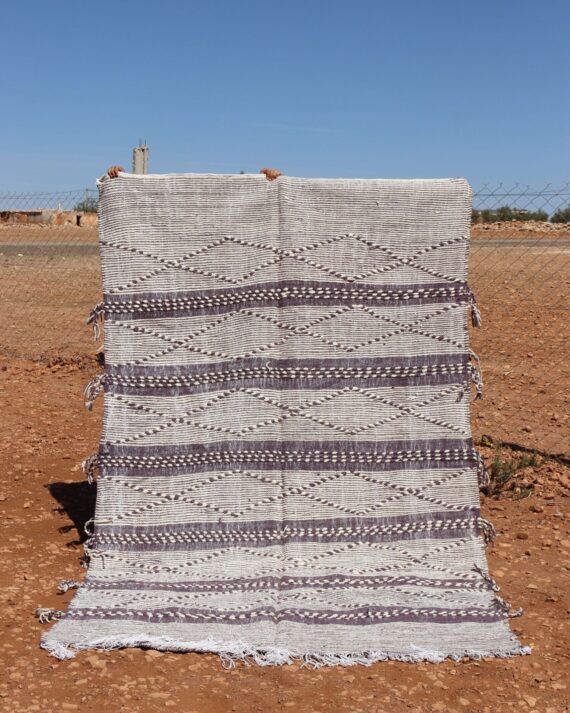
column 93, row 389
column 88, row 552
column 58, row 650
column 476, row 374
column 231, row 652
column 91, row 555
column 499, row 601
column 483, row 475
column 477, row 379
column 487, row 577
column 95, row 319
column 46, row 615
column 488, row 530
column 89, row 466
column 66, row 584
column 507, row 609
column 475, row 314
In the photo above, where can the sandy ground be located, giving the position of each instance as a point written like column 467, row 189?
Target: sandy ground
column 41, row 234
column 46, row 358
column 524, row 298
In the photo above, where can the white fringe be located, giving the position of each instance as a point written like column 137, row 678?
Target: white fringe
column 230, row 652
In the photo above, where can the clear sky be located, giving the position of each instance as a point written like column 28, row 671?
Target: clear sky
column 360, row 88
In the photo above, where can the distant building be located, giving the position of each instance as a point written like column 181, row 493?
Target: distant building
column 49, row 216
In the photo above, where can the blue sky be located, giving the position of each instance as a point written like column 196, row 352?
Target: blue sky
column 423, row 88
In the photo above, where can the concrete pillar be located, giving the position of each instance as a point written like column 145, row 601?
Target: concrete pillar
column 140, row 159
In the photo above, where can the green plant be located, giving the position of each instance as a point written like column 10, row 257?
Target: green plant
column 562, row 215
column 503, row 470
column 506, row 213
column 87, row 205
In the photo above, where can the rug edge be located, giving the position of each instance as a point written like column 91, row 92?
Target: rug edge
column 231, row 652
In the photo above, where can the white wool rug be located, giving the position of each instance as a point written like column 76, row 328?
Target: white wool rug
column 286, row 468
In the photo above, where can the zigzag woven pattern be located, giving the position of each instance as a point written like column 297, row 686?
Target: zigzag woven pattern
column 286, row 469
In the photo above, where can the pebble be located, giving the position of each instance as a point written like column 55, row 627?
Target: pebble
column 95, row 662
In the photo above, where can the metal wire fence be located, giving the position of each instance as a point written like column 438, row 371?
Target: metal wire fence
column 519, row 270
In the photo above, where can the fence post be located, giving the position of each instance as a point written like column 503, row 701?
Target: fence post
column 140, row 158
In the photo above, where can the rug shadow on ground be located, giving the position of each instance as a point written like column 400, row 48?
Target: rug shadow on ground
column 77, row 500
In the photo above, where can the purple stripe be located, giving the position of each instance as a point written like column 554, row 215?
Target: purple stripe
column 292, row 447
column 288, row 374
column 283, row 293
column 116, row 387
column 285, row 583
column 287, row 455
column 135, row 469
column 333, row 524
column 359, row 616
column 200, row 536
column 354, row 363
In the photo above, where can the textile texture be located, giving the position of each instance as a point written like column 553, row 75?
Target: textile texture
column 286, row 468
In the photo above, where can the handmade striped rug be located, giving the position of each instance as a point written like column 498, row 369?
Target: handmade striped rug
column 286, row 469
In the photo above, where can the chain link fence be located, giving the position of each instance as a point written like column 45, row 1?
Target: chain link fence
column 50, row 274
column 519, row 270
